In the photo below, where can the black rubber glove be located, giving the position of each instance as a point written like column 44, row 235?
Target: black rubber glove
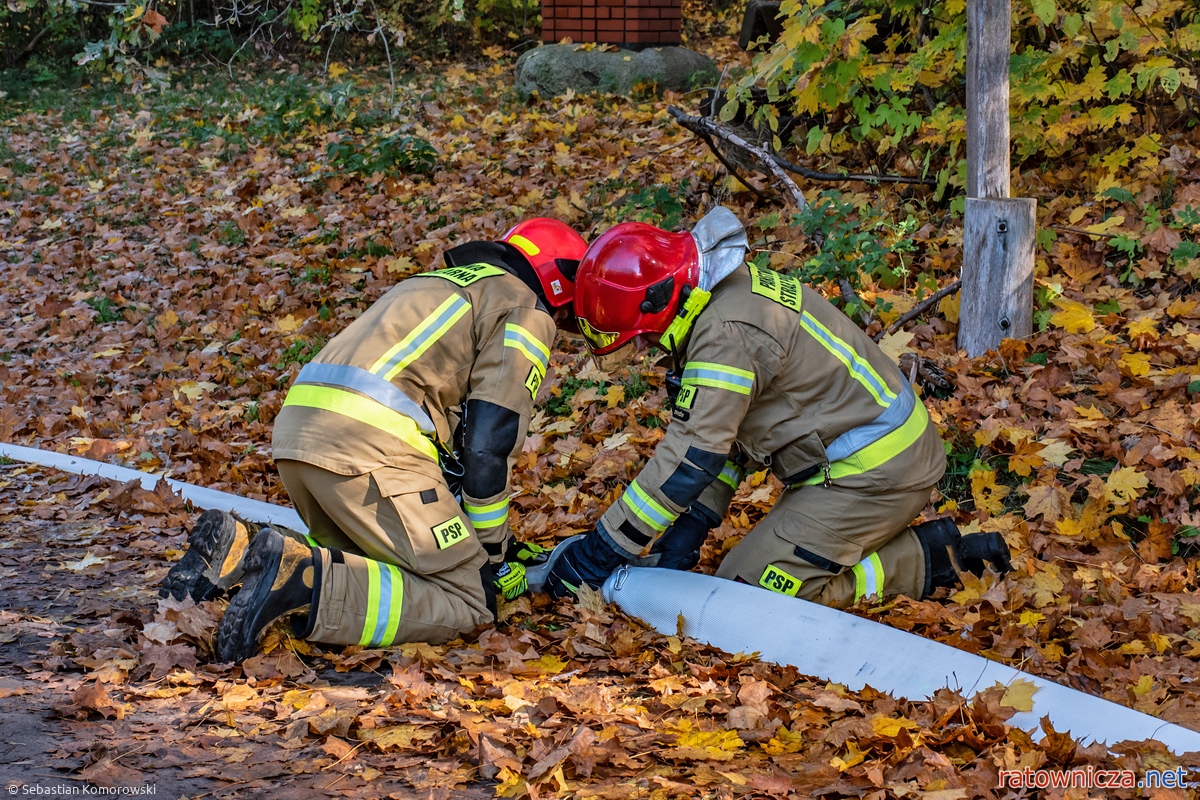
column 679, row 547
column 588, row 560
column 975, row 548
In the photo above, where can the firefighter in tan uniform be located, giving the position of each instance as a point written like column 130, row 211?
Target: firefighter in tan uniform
column 768, row 374
column 363, row 443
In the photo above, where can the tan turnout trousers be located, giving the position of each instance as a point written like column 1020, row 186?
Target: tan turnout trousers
column 398, row 561
column 842, row 526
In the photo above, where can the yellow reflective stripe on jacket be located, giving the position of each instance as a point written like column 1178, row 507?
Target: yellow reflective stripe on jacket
column 492, row 515
column 879, row 452
column 860, row 369
column 517, row 337
column 647, row 509
column 385, row 600
column 704, row 373
column 363, row 409
column 868, row 577
column 421, row 338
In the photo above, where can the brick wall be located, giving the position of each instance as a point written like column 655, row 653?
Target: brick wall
column 639, row 22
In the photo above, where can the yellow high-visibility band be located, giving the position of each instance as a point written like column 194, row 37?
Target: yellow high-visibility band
column 647, row 509
column 363, row 409
column 421, row 338
column 385, row 599
column 880, row 452
column 868, row 578
column 860, row 369
column 492, row 515
column 529, row 345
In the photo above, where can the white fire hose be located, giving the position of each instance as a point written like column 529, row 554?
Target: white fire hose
column 739, row 618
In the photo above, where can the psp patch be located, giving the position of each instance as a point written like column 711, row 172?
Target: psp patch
column 687, row 396
column 450, row 532
column 533, row 380
column 777, row 580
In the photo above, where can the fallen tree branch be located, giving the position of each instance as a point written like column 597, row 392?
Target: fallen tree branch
column 705, row 128
column 919, row 309
column 816, row 175
column 729, row 166
column 850, row 297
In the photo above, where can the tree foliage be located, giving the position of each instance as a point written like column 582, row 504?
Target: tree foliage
column 882, row 82
column 127, row 38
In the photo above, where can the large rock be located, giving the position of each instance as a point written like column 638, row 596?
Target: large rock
column 552, row 69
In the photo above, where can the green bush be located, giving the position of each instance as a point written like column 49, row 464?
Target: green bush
column 881, row 83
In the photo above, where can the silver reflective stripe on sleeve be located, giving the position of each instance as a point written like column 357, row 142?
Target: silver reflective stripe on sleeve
column 891, row 419
column 370, row 385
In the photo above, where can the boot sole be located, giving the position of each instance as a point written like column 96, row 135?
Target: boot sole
column 239, row 632
column 536, row 576
column 194, row 574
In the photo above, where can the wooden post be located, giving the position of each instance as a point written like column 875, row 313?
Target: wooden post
column 998, row 233
column 997, row 291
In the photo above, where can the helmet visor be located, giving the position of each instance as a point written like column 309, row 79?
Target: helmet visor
column 596, row 340
column 621, row 357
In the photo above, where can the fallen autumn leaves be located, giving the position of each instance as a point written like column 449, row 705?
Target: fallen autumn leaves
column 168, row 269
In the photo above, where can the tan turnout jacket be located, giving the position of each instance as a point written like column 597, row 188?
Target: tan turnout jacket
column 424, row 349
column 775, row 376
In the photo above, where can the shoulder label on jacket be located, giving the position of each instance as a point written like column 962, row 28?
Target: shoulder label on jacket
column 450, row 532
column 777, row 580
column 467, row 274
column 783, row 289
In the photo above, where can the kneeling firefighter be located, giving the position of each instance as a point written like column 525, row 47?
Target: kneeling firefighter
column 767, row 374
column 362, row 446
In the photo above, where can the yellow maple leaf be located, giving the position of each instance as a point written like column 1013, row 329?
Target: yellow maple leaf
column 1019, row 695
column 1052, row 502
column 336, row 70
column 395, row 737
column 1125, row 485
column 1115, row 221
column 401, row 265
column 948, row 306
column 853, row 756
column 887, row 726
column 1031, row 618
column 288, row 324
column 989, row 497
column 1135, row 363
column 1055, row 451
column 1072, row 317
column 715, row 745
column 1146, row 326
column 896, row 344
column 1180, row 307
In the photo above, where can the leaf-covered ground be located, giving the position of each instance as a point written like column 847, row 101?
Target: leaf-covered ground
column 169, row 263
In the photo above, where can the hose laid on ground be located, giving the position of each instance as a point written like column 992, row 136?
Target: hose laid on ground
column 253, row 510
column 738, row 618
column 856, row 652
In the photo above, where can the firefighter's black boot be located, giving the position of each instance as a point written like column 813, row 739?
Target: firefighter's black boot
column 976, row 548
column 282, row 577
column 947, row 552
column 212, row 564
column 938, row 539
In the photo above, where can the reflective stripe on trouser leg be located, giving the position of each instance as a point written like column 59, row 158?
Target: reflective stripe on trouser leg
column 377, row 604
column 868, row 577
column 840, row 526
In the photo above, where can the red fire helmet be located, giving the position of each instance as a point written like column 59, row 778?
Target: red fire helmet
column 553, row 249
column 629, row 283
